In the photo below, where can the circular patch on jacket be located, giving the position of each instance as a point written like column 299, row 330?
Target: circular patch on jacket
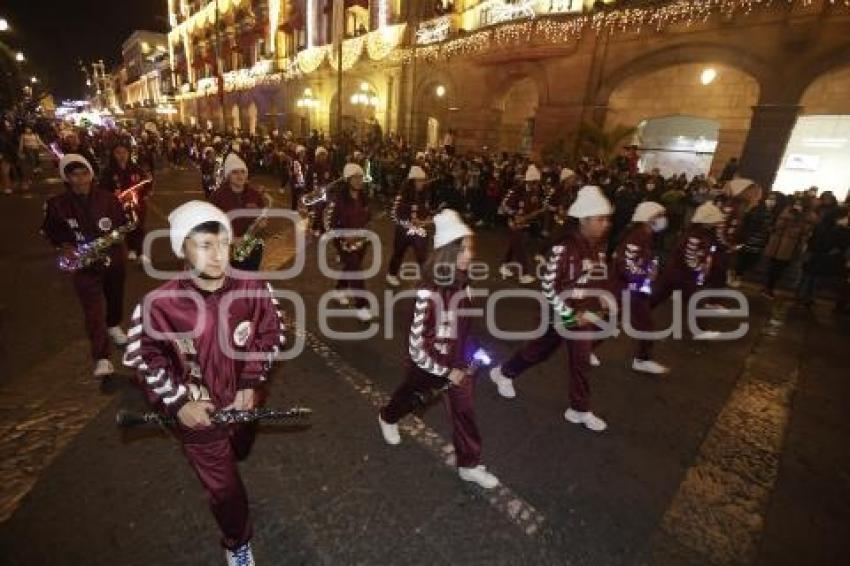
column 242, row 333
column 105, row 224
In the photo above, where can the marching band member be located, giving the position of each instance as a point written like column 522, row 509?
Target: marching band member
column 744, row 194
column 411, row 212
column 237, row 194
column 439, row 348
column 191, row 377
column 208, row 171
column 349, row 210
column 124, row 173
column 557, row 199
column 80, row 215
column 576, row 263
column 691, row 262
column 318, row 176
column 635, row 270
column 299, row 175
column 521, row 205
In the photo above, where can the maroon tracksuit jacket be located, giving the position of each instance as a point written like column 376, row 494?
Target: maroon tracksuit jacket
column 519, row 201
column 117, row 180
column 174, row 369
column 73, row 219
column 227, row 200
column 347, row 211
column 574, row 264
column 409, row 205
column 635, row 270
column 438, row 342
column 689, row 265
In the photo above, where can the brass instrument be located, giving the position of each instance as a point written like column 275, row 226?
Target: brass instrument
column 129, row 197
column 522, row 221
column 250, row 239
column 90, row 253
column 706, row 267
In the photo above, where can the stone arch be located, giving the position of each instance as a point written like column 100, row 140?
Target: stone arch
column 503, row 84
column 702, row 53
column 517, row 110
column 354, row 116
column 677, row 90
column 811, row 69
column 432, row 108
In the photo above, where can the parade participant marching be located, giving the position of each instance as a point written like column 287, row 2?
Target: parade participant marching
column 635, row 271
column 744, row 194
column 188, row 378
column 521, row 205
column 575, row 264
column 317, row 178
column 81, row 215
column 133, row 186
column 557, row 199
column 411, row 212
column 237, row 194
column 348, row 209
column 208, row 171
column 299, row 175
column 440, row 351
column 691, row 262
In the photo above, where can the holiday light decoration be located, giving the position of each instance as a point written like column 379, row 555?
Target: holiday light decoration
column 380, row 43
column 502, row 11
column 310, row 59
column 352, row 49
column 434, row 30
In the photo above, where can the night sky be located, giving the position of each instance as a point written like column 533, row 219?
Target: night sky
column 54, row 34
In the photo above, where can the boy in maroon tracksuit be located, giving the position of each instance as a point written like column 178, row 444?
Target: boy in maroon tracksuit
column 121, row 175
column 349, row 210
column 438, row 348
column 411, row 213
column 237, row 194
column 691, row 264
column 521, row 204
column 576, row 264
column 189, row 343
column 82, row 214
column 635, row 270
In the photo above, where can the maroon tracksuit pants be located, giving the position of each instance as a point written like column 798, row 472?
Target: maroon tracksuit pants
column 640, row 318
column 402, row 242
column 578, row 361
column 516, row 250
column 136, row 238
column 351, row 263
column 459, row 401
column 213, row 455
column 101, row 294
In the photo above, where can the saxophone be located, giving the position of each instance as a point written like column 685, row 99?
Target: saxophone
column 96, row 251
column 250, row 240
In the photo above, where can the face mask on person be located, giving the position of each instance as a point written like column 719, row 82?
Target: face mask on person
column 658, row 224
column 650, row 186
column 770, row 203
column 842, row 222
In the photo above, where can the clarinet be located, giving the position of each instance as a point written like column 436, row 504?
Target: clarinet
column 130, row 419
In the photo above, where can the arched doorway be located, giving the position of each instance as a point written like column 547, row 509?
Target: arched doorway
column 718, row 93
column 252, row 118
column 677, row 144
column 235, row 123
column 518, row 107
column 360, row 106
column 818, row 152
column 433, row 114
column 433, row 133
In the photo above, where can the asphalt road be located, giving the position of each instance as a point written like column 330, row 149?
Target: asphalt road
column 738, row 457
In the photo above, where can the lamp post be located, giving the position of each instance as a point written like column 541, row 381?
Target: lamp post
column 366, row 100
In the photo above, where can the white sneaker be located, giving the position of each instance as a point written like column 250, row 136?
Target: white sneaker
column 505, row 271
column 103, row 368
column 479, row 475
column 587, row 419
column 364, row 315
column 117, row 335
column 242, row 556
column 144, row 259
column 393, row 281
column 131, row 255
column 390, row 432
column 594, row 360
column 342, row 298
column 527, row 278
column 649, row 366
column 707, row 335
column 504, row 385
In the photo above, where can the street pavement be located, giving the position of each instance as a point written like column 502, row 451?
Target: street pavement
column 737, row 457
